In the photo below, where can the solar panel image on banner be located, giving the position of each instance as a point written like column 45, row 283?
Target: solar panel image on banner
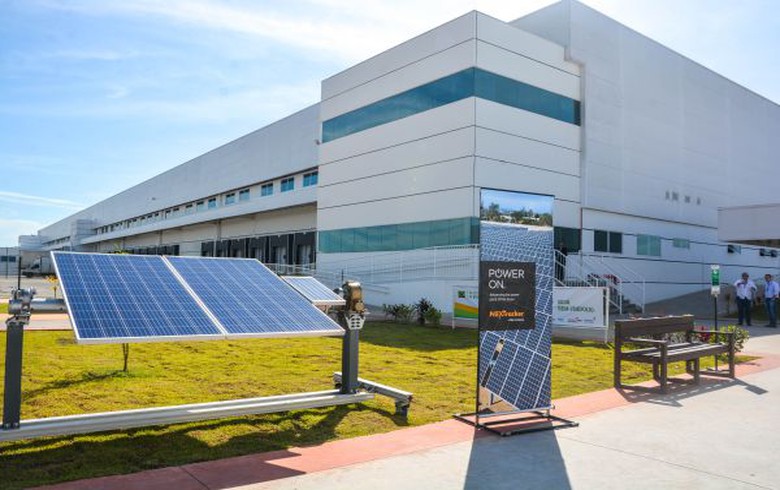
column 249, row 300
column 521, row 375
column 314, row 291
column 128, row 298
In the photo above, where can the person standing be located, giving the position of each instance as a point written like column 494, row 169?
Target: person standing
column 771, row 292
column 746, row 288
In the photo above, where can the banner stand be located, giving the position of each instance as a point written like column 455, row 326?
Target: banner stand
column 514, row 423
column 514, row 313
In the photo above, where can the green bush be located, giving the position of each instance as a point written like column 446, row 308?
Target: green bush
column 399, row 312
column 422, row 307
column 433, row 316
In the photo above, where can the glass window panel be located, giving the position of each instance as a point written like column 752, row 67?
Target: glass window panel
column 466, row 83
column 600, row 241
column 615, row 242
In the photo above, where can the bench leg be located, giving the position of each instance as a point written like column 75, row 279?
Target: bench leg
column 617, row 380
column 656, row 372
column 664, row 377
column 696, row 371
column 732, row 370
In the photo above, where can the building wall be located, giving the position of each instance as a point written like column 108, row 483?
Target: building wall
column 285, row 147
column 430, row 166
column 665, row 144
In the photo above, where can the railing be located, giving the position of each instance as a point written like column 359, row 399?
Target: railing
column 461, row 263
column 602, row 271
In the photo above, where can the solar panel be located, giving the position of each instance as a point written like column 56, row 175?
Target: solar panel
column 521, row 374
column 249, row 300
column 128, row 298
column 314, row 291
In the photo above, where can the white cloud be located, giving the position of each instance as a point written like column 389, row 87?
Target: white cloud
column 31, row 200
column 10, row 229
column 342, row 28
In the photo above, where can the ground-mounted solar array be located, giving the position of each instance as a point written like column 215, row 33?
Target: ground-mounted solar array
column 248, row 299
column 520, row 374
column 132, row 298
column 314, row 291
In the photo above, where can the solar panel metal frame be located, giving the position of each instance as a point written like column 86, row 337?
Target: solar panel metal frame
column 125, row 340
column 338, row 331
column 332, row 298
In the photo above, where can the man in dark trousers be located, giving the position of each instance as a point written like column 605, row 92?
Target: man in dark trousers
column 746, row 289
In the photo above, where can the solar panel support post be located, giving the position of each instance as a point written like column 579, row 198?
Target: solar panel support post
column 349, row 361
column 12, row 394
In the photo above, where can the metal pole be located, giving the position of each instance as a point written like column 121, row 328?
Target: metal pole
column 349, row 361
column 715, row 302
column 12, row 395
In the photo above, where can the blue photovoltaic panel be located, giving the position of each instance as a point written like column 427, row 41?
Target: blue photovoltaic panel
column 128, row 298
column 250, row 300
column 314, row 291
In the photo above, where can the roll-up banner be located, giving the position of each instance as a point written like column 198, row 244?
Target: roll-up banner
column 515, row 302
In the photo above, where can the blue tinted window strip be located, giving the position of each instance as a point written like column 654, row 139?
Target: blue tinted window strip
column 467, row 83
column 403, row 236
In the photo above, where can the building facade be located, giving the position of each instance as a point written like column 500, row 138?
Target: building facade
column 638, row 145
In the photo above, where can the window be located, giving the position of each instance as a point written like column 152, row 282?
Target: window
column 212, row 203
column 188, row 209
column 230, row 198
column 288, row 184
column 458, row 86
column 608, row 241
column 734, row 249
column 681, row 243
column 200, row 206
column 243, row 195
column 649, row 245
column 404, row 236
column 569, row 236
column 310, row 179
column 267, row 189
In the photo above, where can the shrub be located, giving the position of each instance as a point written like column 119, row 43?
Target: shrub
column 399, row 312
column 422, row 307
column 433, row 316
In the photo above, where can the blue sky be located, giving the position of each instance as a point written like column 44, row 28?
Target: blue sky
column 99, row 95
column 514, row 201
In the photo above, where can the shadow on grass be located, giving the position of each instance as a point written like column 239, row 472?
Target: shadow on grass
column 416, row 337
column 87, row 377
column 66, row 458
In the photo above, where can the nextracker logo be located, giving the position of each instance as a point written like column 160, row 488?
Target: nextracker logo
column 507, row 314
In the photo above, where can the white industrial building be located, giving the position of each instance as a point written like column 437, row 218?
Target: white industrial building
column 381, row 179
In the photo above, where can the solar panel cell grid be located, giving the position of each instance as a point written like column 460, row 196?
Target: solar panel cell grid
column 128, row 297
column 313, row 290
column 250, row 300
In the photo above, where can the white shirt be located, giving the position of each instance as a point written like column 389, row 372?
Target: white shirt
column 772, row 289
column 745, row 289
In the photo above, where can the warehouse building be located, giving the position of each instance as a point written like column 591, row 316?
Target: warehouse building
column 639, row 146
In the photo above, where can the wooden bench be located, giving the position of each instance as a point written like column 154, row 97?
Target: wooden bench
column 658, row 352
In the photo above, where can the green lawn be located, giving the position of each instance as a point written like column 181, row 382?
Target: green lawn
column 62, row 378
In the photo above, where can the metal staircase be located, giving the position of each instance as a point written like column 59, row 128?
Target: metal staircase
column 626, row 287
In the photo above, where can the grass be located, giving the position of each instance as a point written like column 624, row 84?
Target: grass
column 62, row 378
column 3, row 306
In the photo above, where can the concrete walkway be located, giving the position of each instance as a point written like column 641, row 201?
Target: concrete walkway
column 720, row 434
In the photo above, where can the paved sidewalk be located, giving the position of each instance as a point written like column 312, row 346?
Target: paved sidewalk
column 720, row 434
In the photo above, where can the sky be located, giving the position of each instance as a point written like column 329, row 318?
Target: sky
column 99, row 95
